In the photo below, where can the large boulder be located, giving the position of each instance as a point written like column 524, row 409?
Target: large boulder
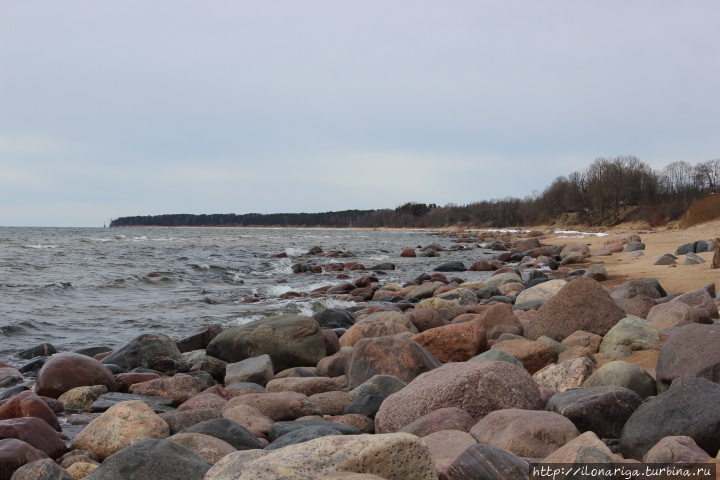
column 692, row 351
column 582, row 304
column 156, row 352
column 603, row 410
column 396, row 456
column 395, row 355
column 690, row 408
column 120, row 426
column 457, row 342
column 476, row 387
column 525, row 433
column 540, row 292
column 65, row 371
column 290, row 340
column 633, row 332
column 35, row 432
column 152, row 458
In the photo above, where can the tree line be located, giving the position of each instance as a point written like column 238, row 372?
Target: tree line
column 607, row 192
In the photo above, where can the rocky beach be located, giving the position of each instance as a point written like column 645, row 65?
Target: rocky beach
column 573, row 348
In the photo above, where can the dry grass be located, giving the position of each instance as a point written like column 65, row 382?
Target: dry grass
column 703, row 210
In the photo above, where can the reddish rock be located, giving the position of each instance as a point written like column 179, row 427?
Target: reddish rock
column 335, row 365
column 676, row 449
column 699, row 298
column 203, row 400
column 199, row 338
column 638, row 306
column 583, row 339
column 408, row 252
column 306, row 385
column 476, row 387
column 449, row 418
column 425, row 319
column 370, row 329
column 498, row 314
column 692, row 351
column 577, row 352
column 126, row 380
column 277, row 406
column 526, row 433
column 65, row 371
column 533, row 355
column 14, row 454
column 28, row 404
column 35, row 432
column 480, row 266
column 250, row 418
column 395, row 355
column 456, row 342
column 331, row 403
column 446, row 446
column 582, row 304
column 179, row 421
column 179, row 388
column 507, row 270
column 498, row 330
column 332, row 344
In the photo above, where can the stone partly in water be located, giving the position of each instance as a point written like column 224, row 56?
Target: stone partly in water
column 290, row 340
column 65, row 371
column 691, row 408
column 155, row 352
column 15, row 453
column 28, row 404
column 476, row 387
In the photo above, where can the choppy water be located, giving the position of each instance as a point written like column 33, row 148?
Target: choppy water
column 79, row 287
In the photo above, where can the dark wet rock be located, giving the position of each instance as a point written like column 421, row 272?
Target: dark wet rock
column 92, row 351
column 215, row 367
column 450, row 267
column 582, row 304
column 290, row 340
column 12, row 391
column 488, row 292
column 28, row 404
column 14, row 454
column 42, row 350
column 488, row 463
column 280, row 429
column 693, row 351
column 225, row 429
column 36, row 432
column 634, row 246
column 394, row 355
column 367, row 405
column 476, row 387
column 180, row 420
column 690, row 408
column 602, row 410
column 155, row 459
column 33, row 367
column 302, row 435
column 65, row 371
column 199, row 338
column 383, row 266
column 157, row 403
column 155, row 352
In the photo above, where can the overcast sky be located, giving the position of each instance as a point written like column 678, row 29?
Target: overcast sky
column 119, row 108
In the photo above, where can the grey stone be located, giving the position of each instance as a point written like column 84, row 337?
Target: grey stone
column 257, row 370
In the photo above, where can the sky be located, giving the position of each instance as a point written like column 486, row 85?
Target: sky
column 120, row 108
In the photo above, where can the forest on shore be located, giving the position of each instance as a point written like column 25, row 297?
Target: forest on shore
column 608, row 192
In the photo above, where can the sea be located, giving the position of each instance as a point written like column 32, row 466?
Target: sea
column 82, row 287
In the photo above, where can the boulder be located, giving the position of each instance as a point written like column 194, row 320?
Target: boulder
column 334, row 318
column 120, row 426
column 498, row 314
column 331, row 403
column 14, row 454
column 210, row 448
column 290, row 340
column 199, row 338
column 456, row 342
column 480, row 266
column 425, row 319
column 36, row 432
column 693, row 351
column 525, row 433
column 503, row 278
column 44, row 469
column 565, row 375
column 305, row 385
column 178, row 388
column 157, row 403
column 395, row 355
column 583, row 339
column 533, row 355
column 666, row 315
column 126, row 380
column 408, row 252
column 426, row 290
column 455, row 266
column 180, row 420
column 397, row 456
column 239, row 437
column 449, row 418
column 152, row 458
column 690, row 408
column 446, row 446
column 541, row 291
column 476, row 387
column 582, row 248
column 82, row 398
column 277, row 406
column 488, row 463
column 382, row 385
column 497, row 356
column 258, row 370
column 250, row 418
column 463, row 297
column 602, row 410
column 634, row 332
column 370, row 329
column 582, row 304
column 587, row 448
column 155, row 352
column 676, row 449
column 390, row 316
column 623, row 374
column 638, row 306
column 28, row 404
column 699, row 298
column 65, row 371
column 203, row 401
column 634, row 288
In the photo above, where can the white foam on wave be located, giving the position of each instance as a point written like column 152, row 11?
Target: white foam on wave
column 41, row 247
column 139, row 239
column 295, row 252
column 378, row 258
column 237, row 321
